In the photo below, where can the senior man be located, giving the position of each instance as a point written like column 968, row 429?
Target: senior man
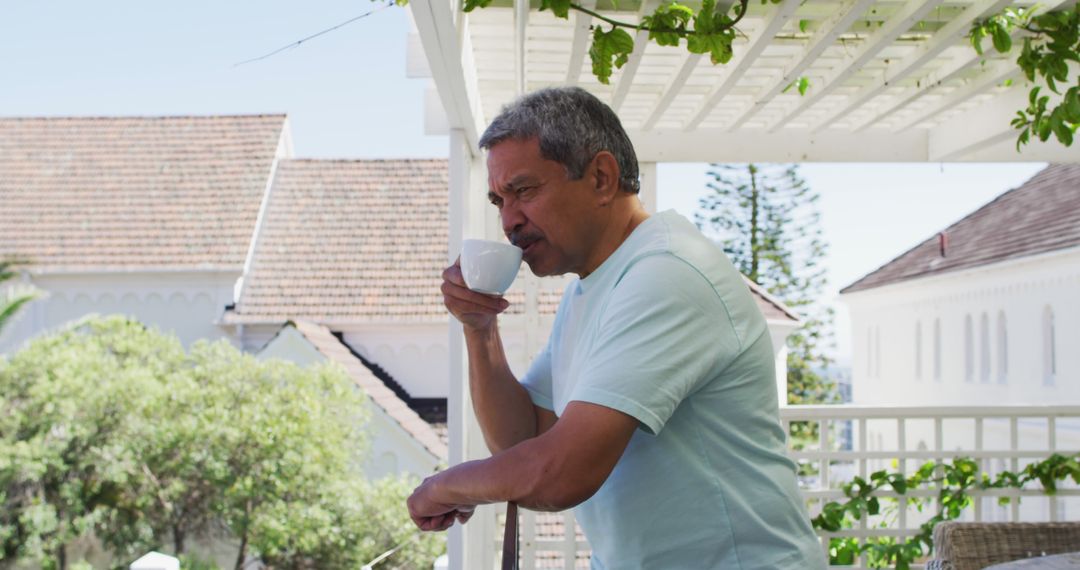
column 652, row 410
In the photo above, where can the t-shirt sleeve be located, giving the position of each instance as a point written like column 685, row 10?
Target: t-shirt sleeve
column 663, row 332
column 537, row 380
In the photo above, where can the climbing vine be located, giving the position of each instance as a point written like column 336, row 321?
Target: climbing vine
column 1050, row 41
column 953, row 480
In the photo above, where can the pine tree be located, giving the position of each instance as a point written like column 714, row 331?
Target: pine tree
column 765, row 217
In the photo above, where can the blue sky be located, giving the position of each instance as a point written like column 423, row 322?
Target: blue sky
column 346, row 95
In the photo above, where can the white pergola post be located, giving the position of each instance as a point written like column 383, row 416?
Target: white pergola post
column 469, row 546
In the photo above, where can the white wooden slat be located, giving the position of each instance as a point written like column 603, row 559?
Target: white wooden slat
column 779, row 15
column 882, row 38
column 674, row 86
column 521, row 23
column 582, row 21
column 996, row 75
column 1014, row 444
column 629, row 70
column 944, row 38
column 678, row 79
column 981, row 462
column 977, row 128
column 825, row 36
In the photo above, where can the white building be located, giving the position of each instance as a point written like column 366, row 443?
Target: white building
column 985, row 313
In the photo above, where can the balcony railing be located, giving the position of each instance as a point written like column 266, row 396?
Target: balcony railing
column 858, row 440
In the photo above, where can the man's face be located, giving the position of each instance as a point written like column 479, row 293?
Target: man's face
column 553, row 219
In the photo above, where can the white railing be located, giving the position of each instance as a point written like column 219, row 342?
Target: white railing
column 858, row 440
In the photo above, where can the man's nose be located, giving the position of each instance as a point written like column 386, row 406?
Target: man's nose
column 511, row 217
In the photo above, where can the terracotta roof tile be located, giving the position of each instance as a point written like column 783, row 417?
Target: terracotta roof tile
column 330, row 346
column 133, row 192
column 1038, row 217
column 350, row 239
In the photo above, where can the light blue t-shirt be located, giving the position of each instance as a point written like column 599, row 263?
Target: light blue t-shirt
column 665, row 330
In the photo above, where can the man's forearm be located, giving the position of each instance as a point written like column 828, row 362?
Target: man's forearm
column 501, row 404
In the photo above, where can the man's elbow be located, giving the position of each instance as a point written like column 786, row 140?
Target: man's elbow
column 553, row 490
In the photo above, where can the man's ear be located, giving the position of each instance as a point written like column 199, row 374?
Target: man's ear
column 605, row 176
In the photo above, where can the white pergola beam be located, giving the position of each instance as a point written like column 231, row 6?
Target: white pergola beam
column 521, row 23
column 976, row 129
column 898, row 24
column 996, row 75
column 626, row 75
column 945, row 75
column 944, row 38
column 451, row 66
column 778, row 16
column 672, row 89
column 711, row 145
column 988, row 124
column 582, row 21
column 830, row 29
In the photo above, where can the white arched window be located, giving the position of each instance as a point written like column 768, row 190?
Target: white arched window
column 984, row 348
column 1002, row 349
column 918, row 350
column 937, row 350
column 870, row 352
column 1049, row 348
column 969, row 350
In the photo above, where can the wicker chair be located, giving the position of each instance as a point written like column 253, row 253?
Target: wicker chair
column 974, row 546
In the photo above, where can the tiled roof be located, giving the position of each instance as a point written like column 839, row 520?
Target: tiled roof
column 350, row 240
column 1040, row 216
column 329, row 346
column 133, row 192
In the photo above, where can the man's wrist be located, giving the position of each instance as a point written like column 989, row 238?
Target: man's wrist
column 483, row 332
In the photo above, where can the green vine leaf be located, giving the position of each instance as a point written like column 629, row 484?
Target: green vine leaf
column 668, row 23
column 560, row 8
column 470, row 5
column 609, row 49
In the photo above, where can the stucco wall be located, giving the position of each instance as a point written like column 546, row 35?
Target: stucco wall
column 186, row 304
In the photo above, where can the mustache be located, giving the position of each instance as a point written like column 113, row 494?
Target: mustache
column 522, row 239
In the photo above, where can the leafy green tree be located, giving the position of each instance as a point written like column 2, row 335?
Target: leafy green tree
column 111, row 428
column 766, row 220
column 66, row 403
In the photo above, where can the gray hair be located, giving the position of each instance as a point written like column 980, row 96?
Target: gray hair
column 572, row 126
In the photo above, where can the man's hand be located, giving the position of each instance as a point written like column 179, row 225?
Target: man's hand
column 432, row 515
column 474, row 310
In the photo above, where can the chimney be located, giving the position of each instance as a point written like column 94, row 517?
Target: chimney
column 943, row 242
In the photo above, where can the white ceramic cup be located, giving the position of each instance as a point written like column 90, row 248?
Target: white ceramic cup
column 489, row 266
